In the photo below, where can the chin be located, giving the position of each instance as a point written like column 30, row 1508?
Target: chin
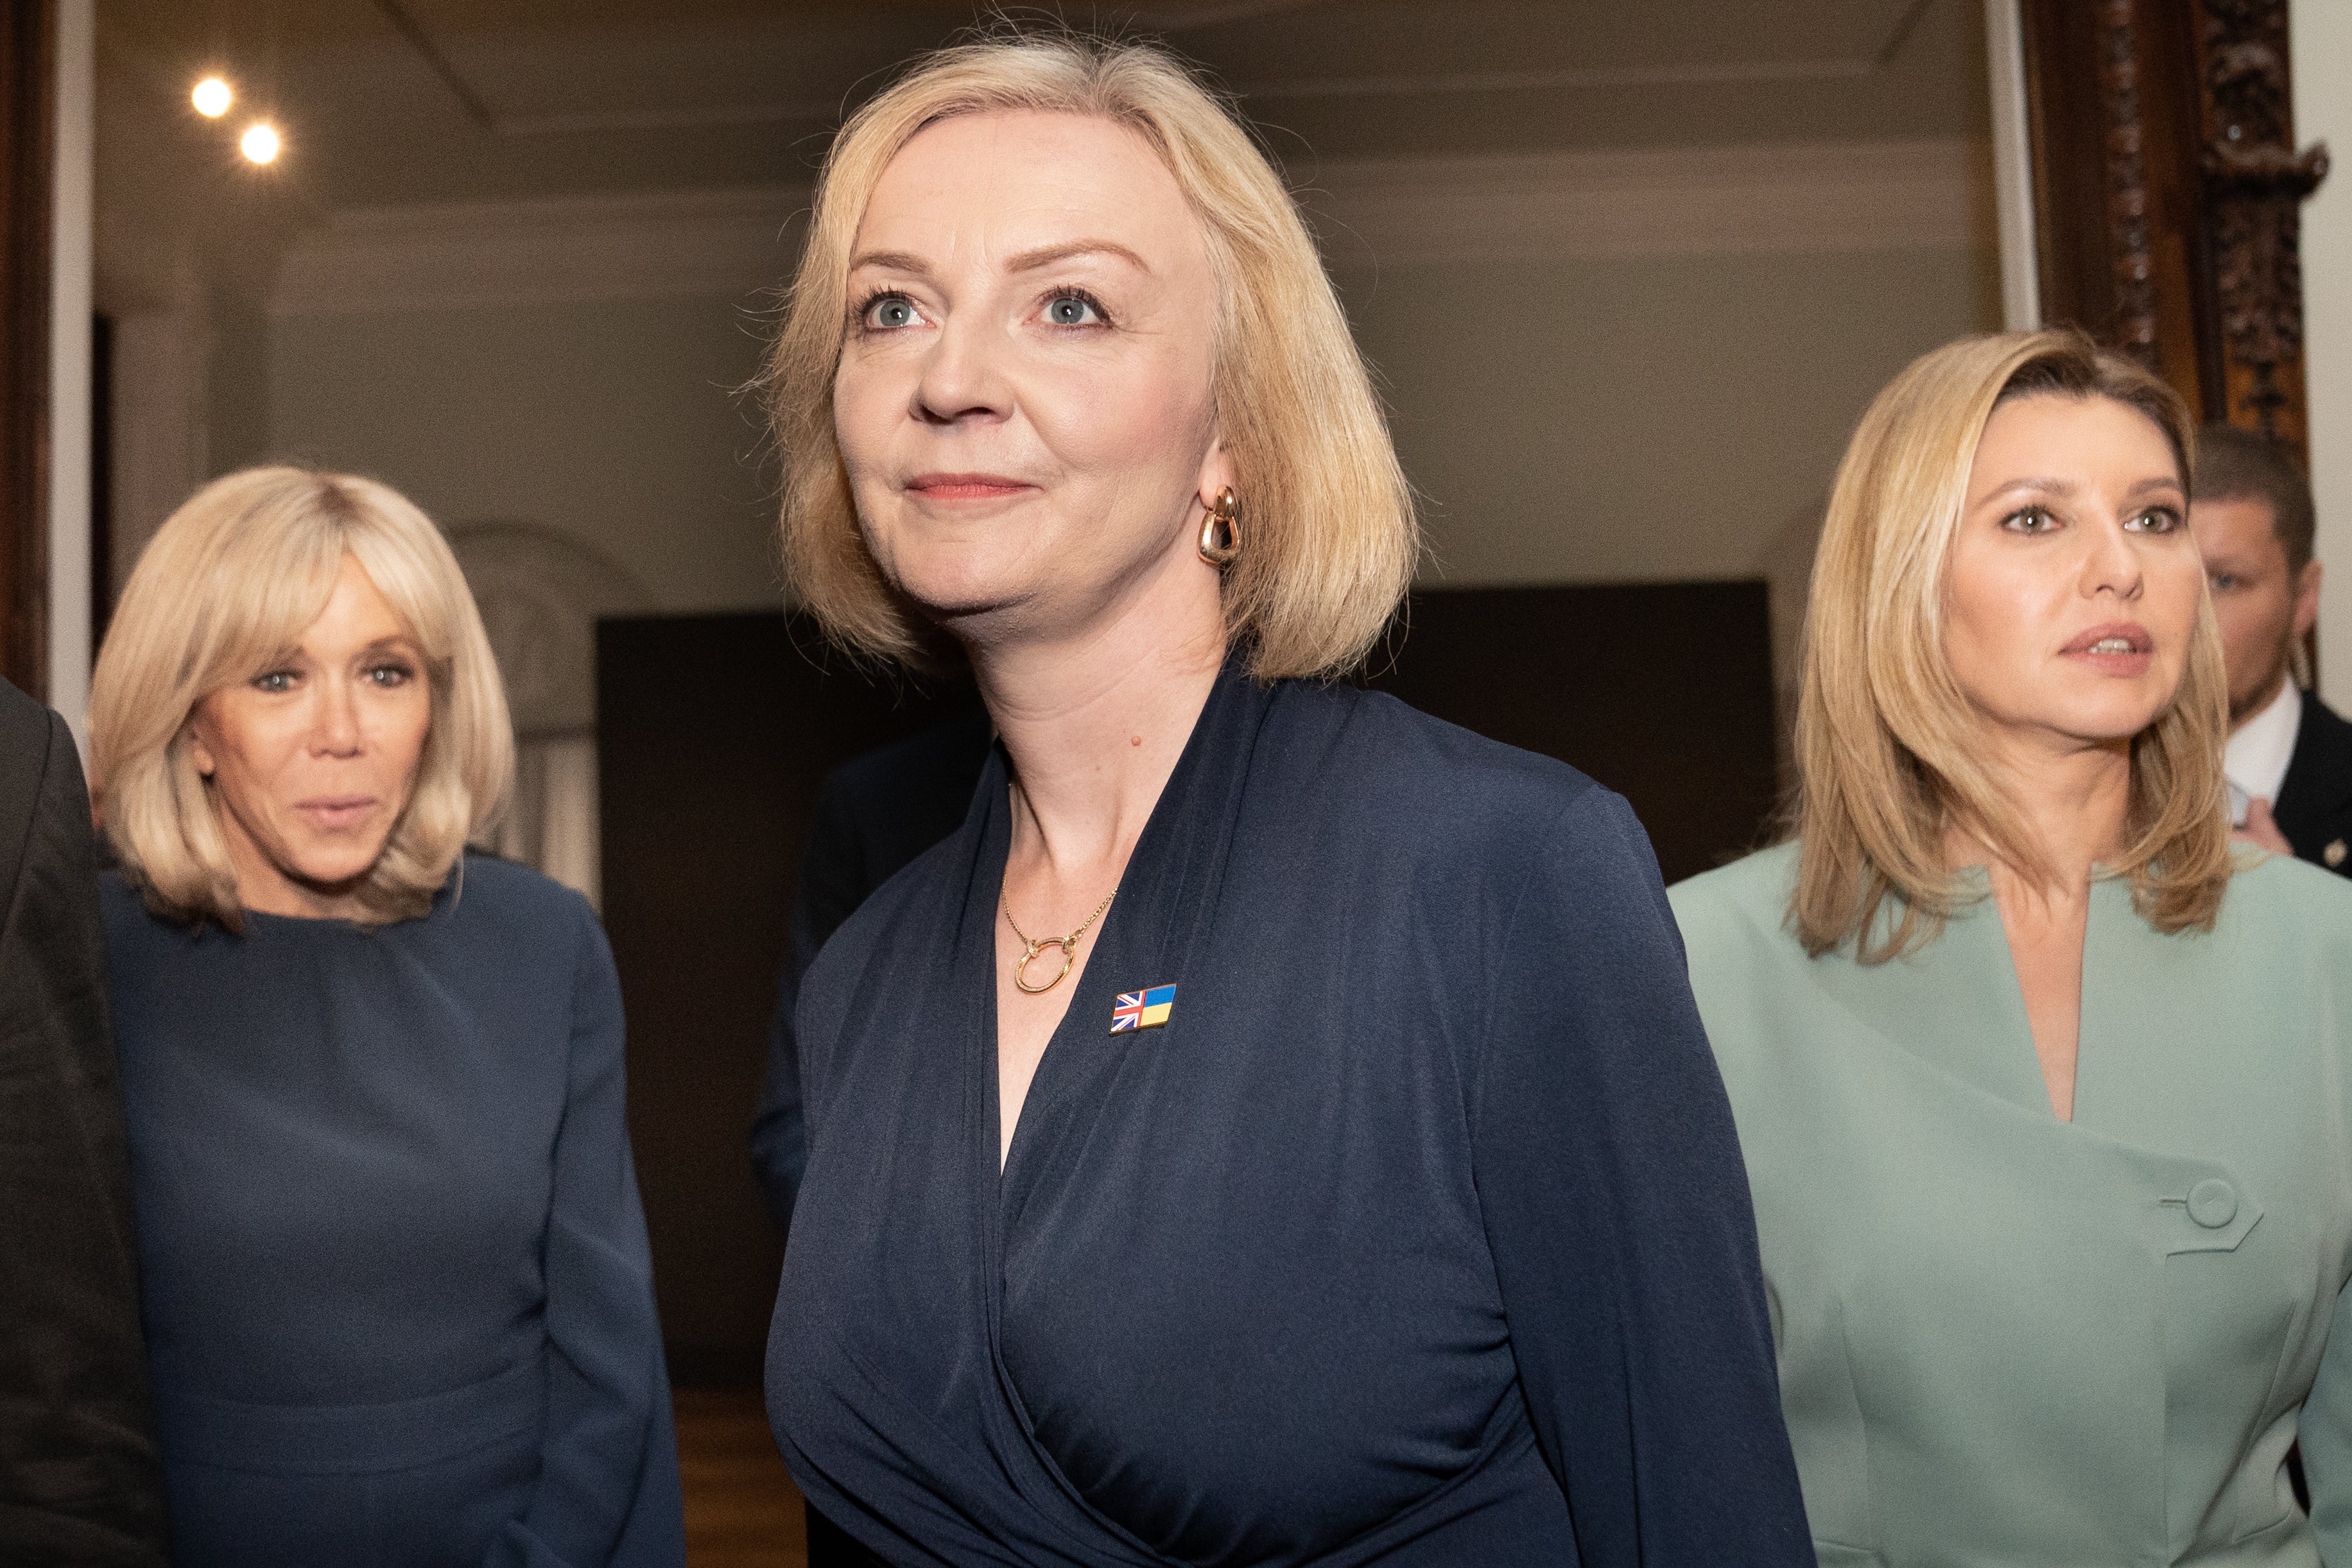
column 2109, row 721
column 951, row 582
column 339, row 867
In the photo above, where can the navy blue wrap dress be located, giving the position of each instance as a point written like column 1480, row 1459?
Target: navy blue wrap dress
column 1417, row 1234
column 398, row 1297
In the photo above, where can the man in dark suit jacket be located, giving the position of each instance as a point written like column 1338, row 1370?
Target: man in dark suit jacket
column 2290, row 756
column 78, row 1477
column 874, row 815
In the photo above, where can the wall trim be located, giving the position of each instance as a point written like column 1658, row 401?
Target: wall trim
column 1795, row 198
column 543, row 251
column 1798, row 199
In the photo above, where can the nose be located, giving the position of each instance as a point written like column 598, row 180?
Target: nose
column 963, row 374
column 335, row 726
column 2112, row 565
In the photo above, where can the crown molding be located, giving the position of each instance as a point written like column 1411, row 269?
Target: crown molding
column 1794, row 200
column 544, row 251
column 1669, row 202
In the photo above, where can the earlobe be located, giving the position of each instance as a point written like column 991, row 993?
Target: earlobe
column 199, row 753
column 1217, row 474
column 2306, row 600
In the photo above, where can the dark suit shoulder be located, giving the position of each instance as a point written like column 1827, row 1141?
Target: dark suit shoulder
column 27, row 741
column 2314, row 802
column 956, row 747
column 2329, row 732
column 23, row 721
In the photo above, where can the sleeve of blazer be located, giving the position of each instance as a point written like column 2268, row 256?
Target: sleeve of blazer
column 80, row 1481
column 609, row 1493
column 1618, row 1213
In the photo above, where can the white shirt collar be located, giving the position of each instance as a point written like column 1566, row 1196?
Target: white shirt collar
column 2261, row 748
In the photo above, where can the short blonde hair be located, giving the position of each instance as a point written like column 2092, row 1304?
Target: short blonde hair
column 1888, row 754
column 1329, row 539
column 228, row 585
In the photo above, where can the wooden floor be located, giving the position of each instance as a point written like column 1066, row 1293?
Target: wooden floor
column 741, row 1509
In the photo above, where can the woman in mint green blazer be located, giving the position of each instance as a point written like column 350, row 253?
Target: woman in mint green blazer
column 2046, row 1089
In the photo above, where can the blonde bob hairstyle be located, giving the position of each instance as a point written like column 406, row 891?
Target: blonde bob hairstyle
column 1889, row 749
column 1328, row 537
column 226, row 587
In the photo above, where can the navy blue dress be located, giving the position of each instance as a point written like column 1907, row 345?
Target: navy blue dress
column 1417, row 1235
column 398, row 1292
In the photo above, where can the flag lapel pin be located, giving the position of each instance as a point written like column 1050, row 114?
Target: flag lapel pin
column 1143, row 1010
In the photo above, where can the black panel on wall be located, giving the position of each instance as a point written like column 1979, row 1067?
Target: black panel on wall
column 715, row 732
column 1661, row 691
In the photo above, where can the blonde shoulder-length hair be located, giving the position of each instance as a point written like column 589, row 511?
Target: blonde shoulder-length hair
column 1888, row 747
column 228, row 584
column 1330, row 537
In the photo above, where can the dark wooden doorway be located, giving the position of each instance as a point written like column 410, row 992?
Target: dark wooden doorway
column 27, row 173
column 713, row 734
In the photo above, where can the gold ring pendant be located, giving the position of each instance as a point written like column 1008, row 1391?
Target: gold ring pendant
column 1069, row 946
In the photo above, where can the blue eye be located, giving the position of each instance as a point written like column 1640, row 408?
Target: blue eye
column 1073, row 311
column 888, row 311
column 274, row 680
column 391, row 675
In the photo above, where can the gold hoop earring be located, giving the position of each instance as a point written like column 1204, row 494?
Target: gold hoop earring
column 1221, row 530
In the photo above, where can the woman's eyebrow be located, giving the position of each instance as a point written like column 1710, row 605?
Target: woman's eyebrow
column 892, row 261
column 2065, row 488
column 1027, row 261
column 1047, row 256
column 2048, row 486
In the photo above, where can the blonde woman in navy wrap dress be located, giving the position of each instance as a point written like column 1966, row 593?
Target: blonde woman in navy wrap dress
column 1274, row 1128
column 398, row 1292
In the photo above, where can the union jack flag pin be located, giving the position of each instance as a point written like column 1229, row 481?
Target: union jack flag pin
column 1143, row 1010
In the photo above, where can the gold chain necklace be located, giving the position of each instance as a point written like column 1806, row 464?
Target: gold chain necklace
column 1068, row 945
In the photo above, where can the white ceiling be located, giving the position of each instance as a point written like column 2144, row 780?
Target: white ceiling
column 398, row 101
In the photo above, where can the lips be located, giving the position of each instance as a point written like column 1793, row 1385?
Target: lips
column 337, row 810
column 2118, row 648
column 966, row 487
column 2115, row 637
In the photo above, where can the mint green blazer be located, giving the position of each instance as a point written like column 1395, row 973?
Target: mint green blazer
column 2006, row 1339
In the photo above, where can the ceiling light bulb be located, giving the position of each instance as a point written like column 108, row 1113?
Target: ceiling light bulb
column 259, row 143
column 212, row 98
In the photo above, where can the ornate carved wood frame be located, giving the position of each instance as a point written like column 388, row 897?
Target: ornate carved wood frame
column 2168, row 192
column 27, row 114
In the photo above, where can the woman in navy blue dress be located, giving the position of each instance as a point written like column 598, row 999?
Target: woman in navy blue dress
column 398, row 1298
column 1275, row 1128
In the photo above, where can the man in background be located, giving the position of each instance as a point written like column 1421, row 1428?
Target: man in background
column 2289, row 761
column 874, row 814
column 78, row 1478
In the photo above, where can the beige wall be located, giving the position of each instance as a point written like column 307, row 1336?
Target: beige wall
column 1641, row 418
column 615, row 423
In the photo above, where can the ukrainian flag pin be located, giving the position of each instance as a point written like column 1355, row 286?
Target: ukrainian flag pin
column 1146, row 1008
